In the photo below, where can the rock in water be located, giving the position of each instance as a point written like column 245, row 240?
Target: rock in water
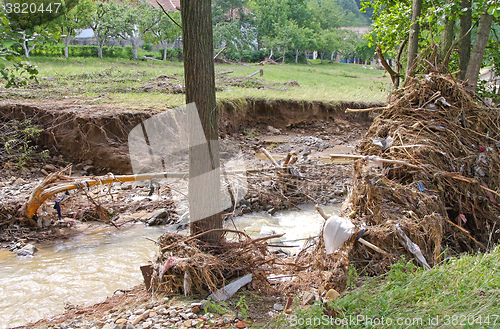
column 27, row 250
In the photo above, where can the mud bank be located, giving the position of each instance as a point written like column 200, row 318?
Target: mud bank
column 98, row 133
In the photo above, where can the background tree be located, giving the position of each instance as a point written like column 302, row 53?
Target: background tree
column 391, row 28
column 135, row 20
column 327, row 13
column 164, row 31
column 13, row 70
column 102, row 18
column 67, row 25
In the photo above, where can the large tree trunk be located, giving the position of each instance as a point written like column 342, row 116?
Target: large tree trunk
column 297, row 56
column 283, row 59
column 447, row 41
column 416, row 8
column 204, row 172
column 464, row 36
column 477, row 53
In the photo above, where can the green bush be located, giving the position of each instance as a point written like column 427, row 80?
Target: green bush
column 48, row 50
column 172, row 53
column 147, row 47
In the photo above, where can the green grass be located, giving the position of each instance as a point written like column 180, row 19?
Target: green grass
column 134, row 83
column 462, row 293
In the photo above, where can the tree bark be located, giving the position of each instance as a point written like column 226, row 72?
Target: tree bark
column 204, row 172
column 26, row 51
column 135, row 42
column 283, row 59
column 99, row 44
column 447, row 41
column 165, row 51
column 477, row 53
column 66, row 47
column 416, row 8
column 464, row 43
column 297, row 56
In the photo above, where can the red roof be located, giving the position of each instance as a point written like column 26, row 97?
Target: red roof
column 168, row 5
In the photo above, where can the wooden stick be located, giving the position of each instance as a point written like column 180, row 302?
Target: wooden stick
column 368, row 109
column 261, row 71
column 464, row 231
column 220, row 52
column 321, row 212
column 372, row 246
column 270, row 157
column 373, row 158
column 225, row 72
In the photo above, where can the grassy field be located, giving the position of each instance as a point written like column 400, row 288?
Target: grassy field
column 136, row 83
column 462, row 293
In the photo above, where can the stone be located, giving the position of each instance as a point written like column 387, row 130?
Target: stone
column 184, row 316
column 307, row 298
column 27, row 250
column 152, row 314
column 19, row 181
column 273, row 130
column 331, row 294
column 172, row 313
column 109, row 326
column 147, row 325
column 188, row 323
column 138, row 319
column 129, row 326
column 195, row 309
column 120, row 321
column 49, row 167
column 278, row 307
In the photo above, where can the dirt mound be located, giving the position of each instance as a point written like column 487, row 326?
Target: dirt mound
column 444, row 193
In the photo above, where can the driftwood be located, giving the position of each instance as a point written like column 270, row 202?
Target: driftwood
column 261, row 71
column 373, row 158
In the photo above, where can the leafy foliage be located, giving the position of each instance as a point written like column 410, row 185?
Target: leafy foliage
column 17, row 140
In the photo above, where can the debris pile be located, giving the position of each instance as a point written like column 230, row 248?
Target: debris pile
column 444, row 193
column 188, row 265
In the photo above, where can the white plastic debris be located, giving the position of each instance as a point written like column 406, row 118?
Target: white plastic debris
column 384, row 143
column 227, row 291
column 337, row 230
column 412, row 247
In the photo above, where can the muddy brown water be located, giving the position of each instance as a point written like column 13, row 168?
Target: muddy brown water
column 89, row 267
